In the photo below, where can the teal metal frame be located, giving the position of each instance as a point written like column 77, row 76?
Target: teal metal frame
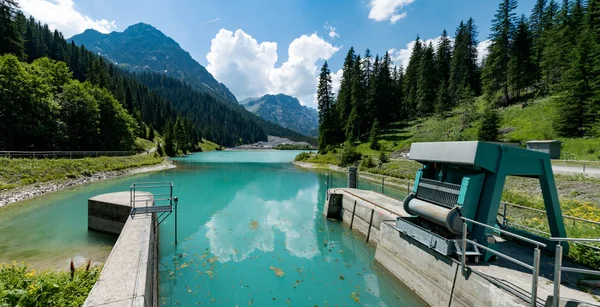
column 479, row 198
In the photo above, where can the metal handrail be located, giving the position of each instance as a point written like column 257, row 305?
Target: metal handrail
column 506, row 233
column 558, row 268
column 535, row 267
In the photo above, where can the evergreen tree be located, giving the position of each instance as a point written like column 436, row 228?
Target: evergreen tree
column 150, row 133
column 344, row 96
column 10, row 38
column 399, row 110
column 373, row 94
column 373, row 143
column 367, row 66
column 411, row 79
column 443, row 59
column 356, row 120
column 427, row 83
column 521, row 65
column 464, row 71
column 490, row 123
column 536, row 25
column 326, row 113
column 497, row 65
column 548, row 37
column 572, row 120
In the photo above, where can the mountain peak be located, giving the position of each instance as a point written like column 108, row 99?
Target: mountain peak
column 285, row 111
column 141, row 26
column 143, row 47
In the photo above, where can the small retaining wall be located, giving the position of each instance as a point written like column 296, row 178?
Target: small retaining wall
column 128, row 277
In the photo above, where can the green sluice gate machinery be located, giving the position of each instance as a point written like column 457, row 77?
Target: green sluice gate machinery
column 466, row 179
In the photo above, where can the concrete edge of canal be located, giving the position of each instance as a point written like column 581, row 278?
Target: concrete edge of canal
column 129, row 276
column 435, row 278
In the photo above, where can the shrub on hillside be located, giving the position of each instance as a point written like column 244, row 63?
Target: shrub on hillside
column 367, row 163
column 303, row 156
column 383, row 157
column 490, row 124
column 349, row 155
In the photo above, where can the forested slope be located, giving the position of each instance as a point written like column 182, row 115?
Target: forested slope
column 174, row 109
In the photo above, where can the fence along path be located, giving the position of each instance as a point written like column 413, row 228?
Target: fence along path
column 62, row 154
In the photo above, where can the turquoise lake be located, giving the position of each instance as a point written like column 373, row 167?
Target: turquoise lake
column 251, row 232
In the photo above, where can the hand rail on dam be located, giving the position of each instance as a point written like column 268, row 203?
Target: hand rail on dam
column 558, row 268
column 535, row 267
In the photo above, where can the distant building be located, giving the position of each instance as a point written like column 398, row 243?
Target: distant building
column 551, row 147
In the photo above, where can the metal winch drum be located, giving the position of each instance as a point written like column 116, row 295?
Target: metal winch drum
column 466, row 179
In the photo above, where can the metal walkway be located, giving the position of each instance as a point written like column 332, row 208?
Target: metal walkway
column 153, row 198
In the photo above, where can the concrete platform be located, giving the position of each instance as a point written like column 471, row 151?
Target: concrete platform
column 128, row 277
column 437, row 279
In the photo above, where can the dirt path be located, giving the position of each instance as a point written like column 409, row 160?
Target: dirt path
column 37, row 189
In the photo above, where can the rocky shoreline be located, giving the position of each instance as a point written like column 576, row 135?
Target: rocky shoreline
column 18, row 194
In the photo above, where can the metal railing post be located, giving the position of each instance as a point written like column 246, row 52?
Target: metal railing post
column 535, row 275
column 382, row 184
column 370, row 223
column 463, row 259
column 353, row 213
column 557, row 273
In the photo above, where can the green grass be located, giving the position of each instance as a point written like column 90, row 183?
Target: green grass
column 20, row 172
column 520, row 123
column 22, row 287
column 207, row 145
column 143, row 145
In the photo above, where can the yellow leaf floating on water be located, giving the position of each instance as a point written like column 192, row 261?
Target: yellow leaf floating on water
column 213, row 259
column 355, row 297
column 254, row 225
column 278, row 272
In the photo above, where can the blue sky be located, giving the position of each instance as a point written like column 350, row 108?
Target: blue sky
column 289, row 66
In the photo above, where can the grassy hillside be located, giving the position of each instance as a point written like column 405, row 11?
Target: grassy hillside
column 520, row 123
column 207, row 145
column 20, row 172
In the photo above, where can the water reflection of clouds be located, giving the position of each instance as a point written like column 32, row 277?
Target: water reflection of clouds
column 234, row 235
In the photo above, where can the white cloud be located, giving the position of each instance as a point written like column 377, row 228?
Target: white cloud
column 332, row 33
column 61, row 15
column 482, row 50
column 388, row 10
column 248, row 67
column 336, row 80
column 402, row 56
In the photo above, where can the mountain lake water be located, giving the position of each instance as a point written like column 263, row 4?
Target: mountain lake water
column 251, row 232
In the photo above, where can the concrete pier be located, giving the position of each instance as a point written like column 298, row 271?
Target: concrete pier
column 437, row 279
column 128, row 277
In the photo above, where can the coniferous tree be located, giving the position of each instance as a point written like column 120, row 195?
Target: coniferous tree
column 411, row 79
column 497, row 65
column 344, row 96
column 536, row 26
column 326, row 113
column 355, row 124
column 399, row 108
column 490, row 123
column 385, row 91
column 464, row 71
column 373, row 93
column 443, row 59
column 367, row 65
column 373, row 143
column 427, row 83
column 10, row 39
column 548, row 37
column 521, row 67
